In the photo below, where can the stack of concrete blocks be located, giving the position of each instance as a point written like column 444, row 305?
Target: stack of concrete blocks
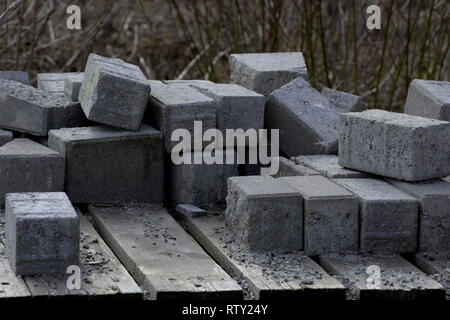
column 430, row 99
column 328, row 166
column 289, row 168
column 307, row 121
column 54, row 82
column 330, row 215
column 343, row 101
column 107, row 165
column 27, row 166
column 29, row 110
column 388, row 216
column 267, row 72
column 42, row 233
column 264, row 213
column 19, row 76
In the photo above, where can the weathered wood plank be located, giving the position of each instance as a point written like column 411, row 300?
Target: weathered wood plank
column 161, row 256
column 11, row 287
column 297, row 277
column 398, row 279
column 102, row 275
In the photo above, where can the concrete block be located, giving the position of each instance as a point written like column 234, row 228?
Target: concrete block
column 328, row 166
column 288, row 168
column 26, row 166
column 343, row 101
column 5, row 136
column 236, row 106
column 54, row 82
column 204, row 183
column 430, row 99
column 26, row 109
column 19, row 76
column 447, row 179
column 189, row 210
column 388, row 216
column 434, row 215
column 42, row 232
column 72, row 86
column 176, row 106
column 307, row 121
column 107, row 165
column 395, row 145
column 264, row 213
column 114, row 92
column 330, row 214
column 266, row 72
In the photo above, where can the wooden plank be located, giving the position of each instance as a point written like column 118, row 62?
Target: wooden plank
column 102, row 275
column 161, row 256
column 11, row 287
column 298, row 276
column 398, row 279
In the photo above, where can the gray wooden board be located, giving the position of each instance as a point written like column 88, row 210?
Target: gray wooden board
column 399, row 279
column 102, row 274
column 161, row 256
column 304, row 279
column 11, row 287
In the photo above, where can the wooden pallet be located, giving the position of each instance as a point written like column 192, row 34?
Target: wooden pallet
column 161, row 256
column 260, row 282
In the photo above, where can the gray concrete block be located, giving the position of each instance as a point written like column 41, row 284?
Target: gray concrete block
column 264, row 213
column 26, row 166
column 343, row 101
column 19, row 76
column 395, row 145
column 430, row 99
column 72, row 85
column 54, row 82
column 5, row 136
column 114, row 92
column 42, row 232
column 447, row 179
column 307, row 121
column 236, row 106
column 266, row 72
column 388, row 216
column 434, row 215
column 203, row 183
column 330, row 213
column 288, row 168
column 176, row 106
column 328, row 166
column 189, row 210
column 107, row 165
column 26, row 109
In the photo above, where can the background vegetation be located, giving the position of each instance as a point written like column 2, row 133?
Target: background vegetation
column 192, row 39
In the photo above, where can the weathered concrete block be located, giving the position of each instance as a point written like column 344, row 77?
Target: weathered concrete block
column 27, row 166
column 266, row 72
column 395, row 145
column 434, row 216
column 26, row 109
column 5, row 136
column 288, row 168
column 201, row 183
column 307, row 121
column 328, row 166
column 430, row 99
column 72, row 86
column 114, row 92
column 343, row 101
column 42, row 232
column 236, row 106
column 107, row 165
column 19, row 76
column 264, row 213
column 54, row 82
column 176, row 106
column 330, row 215
column 388, row 216
column 189, row 210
